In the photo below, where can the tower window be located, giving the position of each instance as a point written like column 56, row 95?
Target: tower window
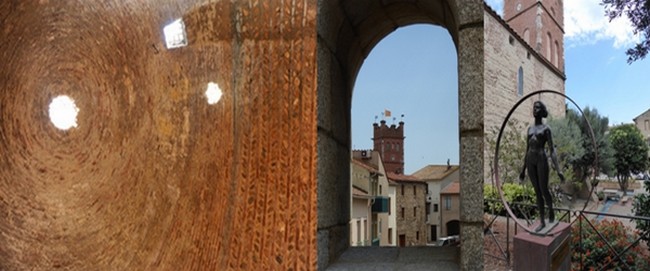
column 556, row 59
column 520, row 82
column 526, row 35
column 548, row 46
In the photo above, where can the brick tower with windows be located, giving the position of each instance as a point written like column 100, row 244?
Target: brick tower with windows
column 541, row 24
column 389, row 142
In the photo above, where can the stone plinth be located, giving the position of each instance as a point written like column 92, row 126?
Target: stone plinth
column 549, row 252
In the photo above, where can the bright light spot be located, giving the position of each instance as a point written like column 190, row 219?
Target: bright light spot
column 63, row 112
column 175, row 35
column 213, row 93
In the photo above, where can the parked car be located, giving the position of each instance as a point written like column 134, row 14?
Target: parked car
column 449, row 241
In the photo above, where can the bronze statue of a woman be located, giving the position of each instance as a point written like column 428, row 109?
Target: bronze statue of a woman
column 536, row 162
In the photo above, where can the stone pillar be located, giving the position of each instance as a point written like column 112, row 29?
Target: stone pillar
column 471, row 107
column 550, row 252
column 334, row 144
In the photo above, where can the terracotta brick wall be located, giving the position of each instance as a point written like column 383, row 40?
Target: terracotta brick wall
column 154, row 177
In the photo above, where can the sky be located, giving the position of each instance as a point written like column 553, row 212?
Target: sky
column 413, row 71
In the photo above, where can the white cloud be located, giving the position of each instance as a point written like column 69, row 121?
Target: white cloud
column 585, row 23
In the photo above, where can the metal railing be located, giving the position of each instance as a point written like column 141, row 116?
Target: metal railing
column 576, row 218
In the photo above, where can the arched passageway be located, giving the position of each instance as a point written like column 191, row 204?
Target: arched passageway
column 347, row 32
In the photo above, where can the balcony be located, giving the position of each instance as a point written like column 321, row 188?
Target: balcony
column 380, row 205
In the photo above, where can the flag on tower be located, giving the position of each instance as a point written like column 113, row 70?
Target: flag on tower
column 386, row 113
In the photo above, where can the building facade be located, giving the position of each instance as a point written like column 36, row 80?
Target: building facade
column 518, row 61
column 450, row 209
column 364, row 181
column 642, row 122
column 368, row 175
column 436, row 177
column 410, row 210
column 389, row 142
column 540, row 24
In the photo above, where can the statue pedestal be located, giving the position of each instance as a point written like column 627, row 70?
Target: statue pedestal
column 544, row 252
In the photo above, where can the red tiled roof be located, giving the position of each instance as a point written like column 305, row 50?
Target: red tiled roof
column 368, row 167
column 403, row 178
column 452, row 188
column 358, row 191
column 435, row 172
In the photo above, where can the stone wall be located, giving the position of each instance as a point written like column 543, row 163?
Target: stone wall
column 505, row 53
column 411, row 213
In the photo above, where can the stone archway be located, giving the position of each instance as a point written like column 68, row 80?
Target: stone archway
column 347, row 32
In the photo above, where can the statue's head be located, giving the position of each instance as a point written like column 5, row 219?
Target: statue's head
column 539, row 109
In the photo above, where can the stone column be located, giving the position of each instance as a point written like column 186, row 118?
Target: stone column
column 471, row 107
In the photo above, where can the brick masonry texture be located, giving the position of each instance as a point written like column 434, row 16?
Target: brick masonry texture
column 154, row 177
column 502, row 62
column 412, row 223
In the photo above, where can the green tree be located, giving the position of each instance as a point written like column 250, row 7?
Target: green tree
column 583, row 167
column 568, row 146
column 630, row 152
column 512, row 149
column 641, row 207
column 638, row 11
column 520, row 197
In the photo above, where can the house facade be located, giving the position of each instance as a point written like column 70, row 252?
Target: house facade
column 369, row 199
column 436, row 177
column 450, row 209
column 410, row 210
column 642, row 122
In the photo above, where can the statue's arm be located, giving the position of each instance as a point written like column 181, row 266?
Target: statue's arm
column 551, row 147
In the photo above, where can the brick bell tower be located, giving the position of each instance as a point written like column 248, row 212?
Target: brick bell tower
column 541, row 24
column 389, row 142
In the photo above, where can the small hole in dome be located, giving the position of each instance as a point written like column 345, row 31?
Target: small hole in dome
column 63, row 112
column 175, row 35
column 213, row 93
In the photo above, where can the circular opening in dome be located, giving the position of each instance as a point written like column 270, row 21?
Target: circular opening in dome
column 63, row 112
column 213, row 93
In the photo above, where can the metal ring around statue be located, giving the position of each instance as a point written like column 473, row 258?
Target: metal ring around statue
column 496, row 153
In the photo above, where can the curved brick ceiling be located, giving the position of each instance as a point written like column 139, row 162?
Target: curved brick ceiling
column 144, row 180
